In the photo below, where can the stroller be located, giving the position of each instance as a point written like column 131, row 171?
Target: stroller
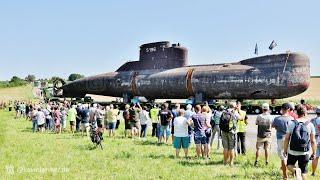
column 96, row 135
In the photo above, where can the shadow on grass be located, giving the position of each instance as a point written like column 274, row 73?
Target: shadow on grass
column 216, row 153
column 85, row 147
column 160, row 156
column 29, row 130
column 123, row 155
column 146, row 143
column 199, row 162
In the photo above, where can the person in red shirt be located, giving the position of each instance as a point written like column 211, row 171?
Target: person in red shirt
column 57, row 117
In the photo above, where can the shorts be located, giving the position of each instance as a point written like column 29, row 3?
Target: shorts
column 172, row 130
column 280, row 149
column 99, row 123
column 132, row 124
column 263, row 143
column 40, row 125
column 106, row 124
column 302, row 162
column 137, row 125
column 85, row 125
column 228, row 140
column 179, row 142
column 127, row 125
column 200, row 139
column 112, row 125
column 208, row 133
column 72, row 123
column 165, row 130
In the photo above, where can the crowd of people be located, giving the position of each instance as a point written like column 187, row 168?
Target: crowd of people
column 297, row 135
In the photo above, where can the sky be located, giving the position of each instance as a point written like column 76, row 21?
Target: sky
column 57, row 38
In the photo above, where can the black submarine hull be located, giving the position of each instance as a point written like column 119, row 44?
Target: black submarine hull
column 266, row 77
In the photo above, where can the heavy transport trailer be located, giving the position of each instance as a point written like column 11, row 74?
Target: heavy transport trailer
column 162, row 73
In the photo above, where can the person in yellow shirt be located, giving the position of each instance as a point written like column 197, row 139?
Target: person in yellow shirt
column 242, row 129
column 71, row 116
column 154, row 115
column 112, row 120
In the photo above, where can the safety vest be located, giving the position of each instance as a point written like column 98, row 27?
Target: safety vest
column 154, row 113
column 242, row 127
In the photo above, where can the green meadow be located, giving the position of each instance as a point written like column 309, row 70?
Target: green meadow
column 51, row 156
column 28, row 155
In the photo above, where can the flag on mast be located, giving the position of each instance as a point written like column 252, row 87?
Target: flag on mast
column 273, row 45
column 256, row 49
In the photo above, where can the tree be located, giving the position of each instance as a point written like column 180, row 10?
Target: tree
column 53, row 79
column 75, row 76
column 30, row 78
column 15, row 79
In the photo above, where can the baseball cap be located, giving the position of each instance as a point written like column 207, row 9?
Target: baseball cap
column 286, row 106
column 265, row 106
column 318, row 110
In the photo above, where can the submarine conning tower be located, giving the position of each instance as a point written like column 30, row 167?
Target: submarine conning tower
column 158, row 55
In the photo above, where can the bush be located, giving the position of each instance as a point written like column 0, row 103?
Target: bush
column 75, row 76
column 14, row 82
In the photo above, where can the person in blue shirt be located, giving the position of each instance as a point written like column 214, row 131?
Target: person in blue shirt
column 316, row 123
column 85, row 115
column 280, row 123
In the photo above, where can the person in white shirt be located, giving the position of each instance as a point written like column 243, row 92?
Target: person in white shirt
column 40, row 119
column 144, row 120
column 181, row 136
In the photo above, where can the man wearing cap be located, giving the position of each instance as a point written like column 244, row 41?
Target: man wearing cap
column 280, row 123
column 264, row 122
column 229, row 138
column 299, row 140
column 316, row 123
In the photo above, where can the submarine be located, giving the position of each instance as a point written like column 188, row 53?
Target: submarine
column 162, row 72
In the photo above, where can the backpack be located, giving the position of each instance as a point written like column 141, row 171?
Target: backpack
column 225, row 120
column 212, row 121
column 300, row 139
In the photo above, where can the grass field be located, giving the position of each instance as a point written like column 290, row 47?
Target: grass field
column 16, row 93
column 24, row 154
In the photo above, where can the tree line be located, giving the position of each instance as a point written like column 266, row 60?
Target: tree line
column 16, row 81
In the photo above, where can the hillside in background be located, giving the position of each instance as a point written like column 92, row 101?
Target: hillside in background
column 16, row 93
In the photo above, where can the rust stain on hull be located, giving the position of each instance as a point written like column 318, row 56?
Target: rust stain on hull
column 189, row 82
